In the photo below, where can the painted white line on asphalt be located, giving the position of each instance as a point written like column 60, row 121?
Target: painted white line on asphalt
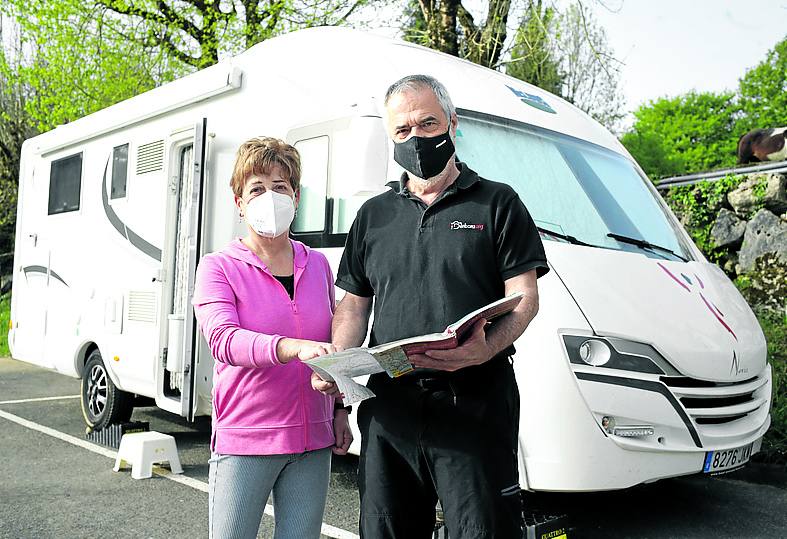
column 73, row 440
column 40, row 399
column 196, row 484
column 327, row 529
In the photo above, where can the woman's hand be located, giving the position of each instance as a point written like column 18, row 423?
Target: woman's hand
column 289, row 349
column 312, row 349
column 342, row 432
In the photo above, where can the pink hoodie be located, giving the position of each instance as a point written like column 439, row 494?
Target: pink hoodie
column 261, row 407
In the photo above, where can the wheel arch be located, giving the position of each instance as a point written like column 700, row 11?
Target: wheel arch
column 80, row 358
column 84, row 351
column 117, row 405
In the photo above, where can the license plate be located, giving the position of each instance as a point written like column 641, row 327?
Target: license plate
column 727, row 459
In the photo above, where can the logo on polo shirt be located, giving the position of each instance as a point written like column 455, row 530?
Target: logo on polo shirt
column 458, row 225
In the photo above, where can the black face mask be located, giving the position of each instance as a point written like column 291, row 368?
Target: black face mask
column 424, row 157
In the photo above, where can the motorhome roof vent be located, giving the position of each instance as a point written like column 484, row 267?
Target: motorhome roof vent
column 142, row 306
column 150, row 157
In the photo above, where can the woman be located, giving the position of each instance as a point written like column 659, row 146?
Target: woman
column 263, row 304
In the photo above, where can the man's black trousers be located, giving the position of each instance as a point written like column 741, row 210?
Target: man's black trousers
column 452, row 437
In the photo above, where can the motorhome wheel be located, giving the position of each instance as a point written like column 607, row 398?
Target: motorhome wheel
column 102, row 403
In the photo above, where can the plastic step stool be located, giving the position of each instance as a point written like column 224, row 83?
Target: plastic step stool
column 142, row 449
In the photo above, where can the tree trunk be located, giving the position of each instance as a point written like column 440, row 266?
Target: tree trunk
column 451, row 29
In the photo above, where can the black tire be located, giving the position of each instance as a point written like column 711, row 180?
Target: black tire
column 102, row 402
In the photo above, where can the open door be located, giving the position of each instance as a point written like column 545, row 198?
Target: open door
column 185, row 233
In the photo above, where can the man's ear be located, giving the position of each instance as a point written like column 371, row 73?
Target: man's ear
column 453, row 123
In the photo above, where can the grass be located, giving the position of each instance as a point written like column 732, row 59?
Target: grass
column 5, row 314
column 774, row 445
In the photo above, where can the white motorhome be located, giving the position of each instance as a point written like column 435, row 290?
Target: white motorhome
column 643, row 363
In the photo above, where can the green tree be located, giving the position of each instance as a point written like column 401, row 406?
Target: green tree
column 76, row 60
column 563, row 52
column 198, row 32
column 75, row 57
column 15, row 127
column 58, row 62
column 762, row 92
column 534, row 57
column 700, row 131
column 651, row 153
column 678, row 135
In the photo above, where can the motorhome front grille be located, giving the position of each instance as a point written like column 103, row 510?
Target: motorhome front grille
column 142, row 306
column 150, row 157
column 712, row 403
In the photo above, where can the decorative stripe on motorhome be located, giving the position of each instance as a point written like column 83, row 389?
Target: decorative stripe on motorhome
column 147, row 248
column 42, row 269
column 150, row 157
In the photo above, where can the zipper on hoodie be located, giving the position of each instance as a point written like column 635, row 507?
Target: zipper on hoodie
column 299, row 331
column 304, row 416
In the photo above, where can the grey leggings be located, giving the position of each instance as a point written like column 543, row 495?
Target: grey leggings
column 239, row 487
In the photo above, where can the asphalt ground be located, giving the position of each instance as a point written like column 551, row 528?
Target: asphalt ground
column 54, row 484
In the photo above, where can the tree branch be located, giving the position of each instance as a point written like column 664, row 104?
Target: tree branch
column 165, row 41
column 181, row 22
column 590, row 41
column 344, row 17
column 466, row 20
column 166, row 18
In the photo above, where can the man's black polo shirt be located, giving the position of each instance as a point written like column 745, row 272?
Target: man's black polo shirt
column 428, row 266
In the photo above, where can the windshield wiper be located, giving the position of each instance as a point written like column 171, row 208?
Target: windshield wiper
column 570, row 239
column 644, row 244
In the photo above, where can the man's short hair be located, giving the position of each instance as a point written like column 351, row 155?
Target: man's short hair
column 258, row 156
column 419, row 82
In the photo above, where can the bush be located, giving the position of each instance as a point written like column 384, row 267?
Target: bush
column 697, row 207
column 774, row 445
column 5, row 315
column 765, row 289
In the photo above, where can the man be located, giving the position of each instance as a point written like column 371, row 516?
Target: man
column 443, row 242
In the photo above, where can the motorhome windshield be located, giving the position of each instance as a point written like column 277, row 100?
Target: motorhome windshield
column 583, row 193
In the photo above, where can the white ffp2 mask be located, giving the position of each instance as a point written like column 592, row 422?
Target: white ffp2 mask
column 270, row 214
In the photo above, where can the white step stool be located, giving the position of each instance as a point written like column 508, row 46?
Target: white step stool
column 143, row 449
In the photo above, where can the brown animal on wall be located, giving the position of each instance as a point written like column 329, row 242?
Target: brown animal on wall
column 762, row 145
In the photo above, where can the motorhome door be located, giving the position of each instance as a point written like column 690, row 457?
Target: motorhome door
column 32, row 269
column 184, row 246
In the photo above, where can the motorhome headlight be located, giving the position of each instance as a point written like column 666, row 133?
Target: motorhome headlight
column 633, row 431
column 616, row 353
column 594, row 352
column 610, row 426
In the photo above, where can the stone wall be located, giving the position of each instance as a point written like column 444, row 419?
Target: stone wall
column 751, row 225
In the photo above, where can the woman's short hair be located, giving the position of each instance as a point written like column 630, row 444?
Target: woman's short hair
column 258, row 156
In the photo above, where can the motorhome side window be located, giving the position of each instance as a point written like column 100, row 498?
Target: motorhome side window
column 314, row 182
column 65, row 184
column 119, row 171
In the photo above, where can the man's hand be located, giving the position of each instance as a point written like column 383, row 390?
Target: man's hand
column 323, row 386
column 342, row 432
column 473, row 351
